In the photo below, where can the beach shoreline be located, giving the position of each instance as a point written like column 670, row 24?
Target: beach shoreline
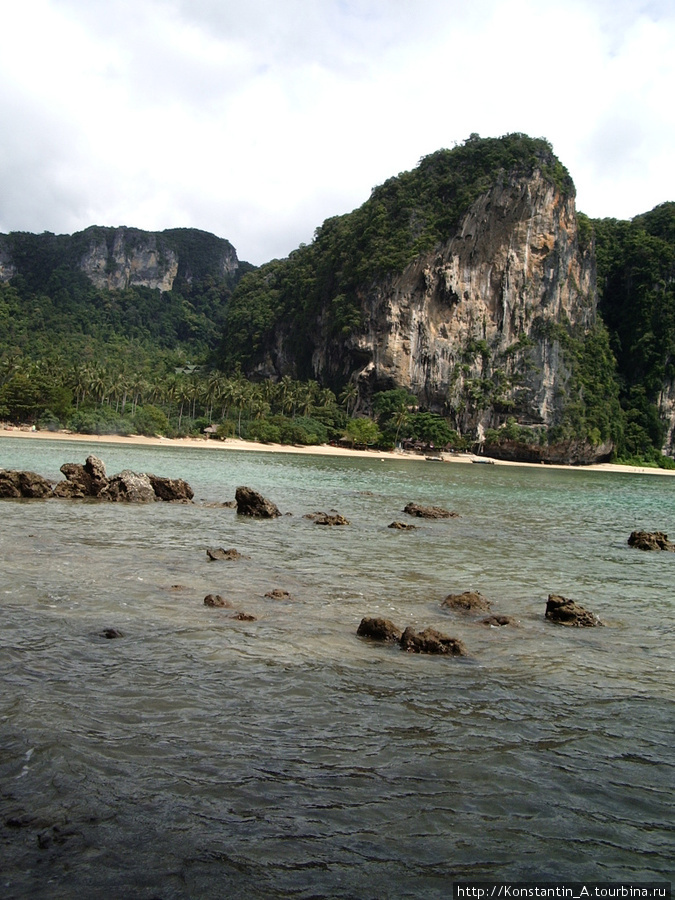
column 204, row 443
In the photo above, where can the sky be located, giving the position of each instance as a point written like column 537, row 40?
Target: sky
column 258, row 120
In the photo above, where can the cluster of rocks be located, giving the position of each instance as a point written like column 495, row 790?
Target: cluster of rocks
column 427, row 641
column 90, row 480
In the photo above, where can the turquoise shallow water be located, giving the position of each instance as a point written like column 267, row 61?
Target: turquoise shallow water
column 200, row 756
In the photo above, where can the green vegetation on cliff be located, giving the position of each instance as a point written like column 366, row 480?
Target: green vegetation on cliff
column 636, row 290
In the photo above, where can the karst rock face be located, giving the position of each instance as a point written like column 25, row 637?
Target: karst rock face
column 486, row 302
column 119, row 258
column 485, row 307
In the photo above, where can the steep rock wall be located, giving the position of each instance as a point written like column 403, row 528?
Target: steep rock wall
column 128, row 263
column 118, row 258
column 471, row 328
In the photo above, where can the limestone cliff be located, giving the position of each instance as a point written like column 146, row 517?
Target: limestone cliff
column 471, row 328
column 118, row 258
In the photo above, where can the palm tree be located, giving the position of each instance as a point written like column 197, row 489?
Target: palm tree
column 349, row 395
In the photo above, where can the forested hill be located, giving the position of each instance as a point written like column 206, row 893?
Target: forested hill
column 636, row 293
column 115, row 295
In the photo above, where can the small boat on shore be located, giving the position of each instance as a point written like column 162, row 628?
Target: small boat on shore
column 434, row 458
column 485, row 462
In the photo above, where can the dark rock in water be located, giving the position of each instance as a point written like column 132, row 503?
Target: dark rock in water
column 650, row 540
column 215, row 600
column 401, row 526
column 251, row 503
column 379, row 630
column 497, row 621
column 331, row 520
column 468, row 601
column 79, row 478
column 278, row 594
column 111, row 633
column 69, row 490
column 244, row 617
column 563, row 611
column 431, row 641
column 171, row 489
column 89, row 478
column 229, row 504
column 130, row 487
column 23, row 484
column 220, row 553
column 429, row 512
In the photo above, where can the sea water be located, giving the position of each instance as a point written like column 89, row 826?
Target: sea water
column 202, row 756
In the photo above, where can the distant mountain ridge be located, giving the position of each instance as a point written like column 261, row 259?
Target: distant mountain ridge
column 118, row 258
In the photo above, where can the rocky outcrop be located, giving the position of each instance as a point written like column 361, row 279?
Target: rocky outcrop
column 563, row 611
column 401, row 526
column 650, row 540
column 429, row 512
column 251, row 503
column 14, row 484
column 566, row 453
column 90, row 480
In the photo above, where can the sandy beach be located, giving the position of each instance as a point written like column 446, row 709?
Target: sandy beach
column 320, row 450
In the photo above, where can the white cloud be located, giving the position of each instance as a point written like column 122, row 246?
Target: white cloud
column 256, row 121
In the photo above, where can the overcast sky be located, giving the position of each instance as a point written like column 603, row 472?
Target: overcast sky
column 258, row 119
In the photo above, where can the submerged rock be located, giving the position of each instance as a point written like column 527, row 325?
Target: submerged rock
column 278, row 594
column 378, row 630
column 563, row 611
column 468, row 601
column 431, row 641
column 111, row 633
column 429, row 512
column 498, row 621
column 328, row 519
column 220, row 553
column 251, row 503
column 401, row 526
column 244, row 617
column 216, row 601
column 650, row 540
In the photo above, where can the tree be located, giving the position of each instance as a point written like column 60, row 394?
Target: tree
column 362, row 431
